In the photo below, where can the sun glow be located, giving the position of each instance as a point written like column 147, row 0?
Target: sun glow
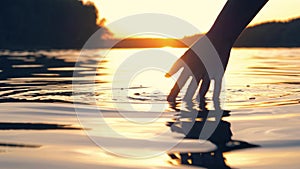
column 199, row 13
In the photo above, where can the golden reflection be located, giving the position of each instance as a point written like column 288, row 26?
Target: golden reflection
column 254, row 77
column 146, row 87
column 264, row 158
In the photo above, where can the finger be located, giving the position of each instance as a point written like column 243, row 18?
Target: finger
column 175, row 68
column 178, row 86
column 217, row 88
column 184, row 76
column 204, row 87
column 217, row 92
column 192, row 88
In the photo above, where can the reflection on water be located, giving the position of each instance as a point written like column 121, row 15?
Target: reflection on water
column 255, row 77
column 192, row 124
column 35, row 126
column 42, row 76
column 18, row 145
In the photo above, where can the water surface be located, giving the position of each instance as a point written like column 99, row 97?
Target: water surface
column 260, row 77
column 258, row 82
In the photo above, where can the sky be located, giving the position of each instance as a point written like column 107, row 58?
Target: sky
column 200, row 13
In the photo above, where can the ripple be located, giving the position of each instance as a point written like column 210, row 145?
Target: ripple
column 35, row 126
column 45, row 74
column 18, row 145
column 68, row 68
column 27, row 66
column 271, row 76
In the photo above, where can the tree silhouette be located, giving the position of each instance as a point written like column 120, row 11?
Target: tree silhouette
column 36, row 24
column 271, row 34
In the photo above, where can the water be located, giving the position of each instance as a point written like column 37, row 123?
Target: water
column 260, row 77
column 255, row 78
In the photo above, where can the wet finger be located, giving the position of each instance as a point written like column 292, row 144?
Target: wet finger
column 175, row 68
column 192, row 88
column 178, row 86
column 204, row 87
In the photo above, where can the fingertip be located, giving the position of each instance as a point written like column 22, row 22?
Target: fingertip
column 167, row 75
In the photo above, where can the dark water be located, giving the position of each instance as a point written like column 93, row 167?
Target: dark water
column 37, row 76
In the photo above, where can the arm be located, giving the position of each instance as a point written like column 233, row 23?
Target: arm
column 232, row 20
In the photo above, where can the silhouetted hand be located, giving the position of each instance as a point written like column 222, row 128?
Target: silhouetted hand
column 201, row 62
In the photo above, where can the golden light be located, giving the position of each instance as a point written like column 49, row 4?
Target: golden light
column 199, row 13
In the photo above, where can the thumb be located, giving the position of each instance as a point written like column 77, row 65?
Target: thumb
column 175, row 68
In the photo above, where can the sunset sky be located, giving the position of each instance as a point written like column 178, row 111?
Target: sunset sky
column 200, row 13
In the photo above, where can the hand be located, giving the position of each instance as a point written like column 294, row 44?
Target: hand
column 201, row 62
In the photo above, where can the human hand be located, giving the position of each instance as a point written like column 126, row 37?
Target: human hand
column 201, row 62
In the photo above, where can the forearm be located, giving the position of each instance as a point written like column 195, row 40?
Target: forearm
column 232, row 20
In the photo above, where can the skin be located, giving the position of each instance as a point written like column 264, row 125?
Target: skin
column 232, row 20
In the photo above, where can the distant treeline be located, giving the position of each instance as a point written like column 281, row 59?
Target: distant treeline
column 271, row 34
column 67, row 24
column 46, row 24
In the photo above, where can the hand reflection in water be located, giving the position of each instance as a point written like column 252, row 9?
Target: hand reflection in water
column 191, row 124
